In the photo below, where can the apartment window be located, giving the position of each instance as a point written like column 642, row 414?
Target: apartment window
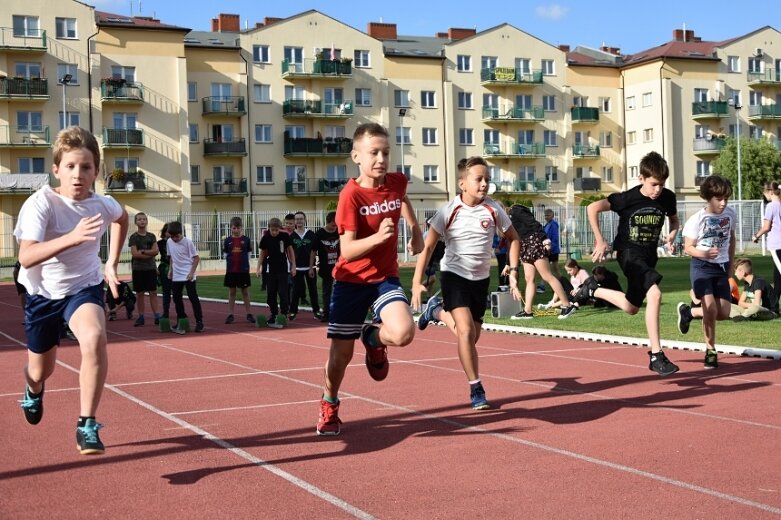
column 525, row 136
column 527, row 173
column 363, row 97
column 579, row 172
column 755, row 132
column 580, row 101
column 549, row 103
column 488, row 62
column 491, row 101
column 295, row 131
column 32, row 165
column 633, row 172
column 606, row 139
column 401, row 98
column 192, row 91
column 260, row 54
column 648, row 135
column 605, row 105
column 548, row 67
column 700, row 131
column 735, row 96
column 263, row 133
column 523, row 65
column 431, row 173
column 754, row 98
column 631, row 104
column 336, row 172
column 464, row 63
column 700, row 95
column 428, row 99
column 222, row 173
column 464, row 100
column 466, row 136
column 195, row 174
column 29, row 121
column 295, row 58
column 27, row 70
column 647, row 99
column 429, row 136
column 403, row 132
column 264, row 175
column 407, row 171
column 124, row 120
column 491, row 136
column 65, row 28
column 551, row 174
column 68, row 68
column 332, row 132
column 296, row 174
column 126, row 73
column 755, row 65
column 703, row 168
column 72, row 118
column 262, row 93
column 126, row 164
column 294, row 92
column 550, row 138
column 193, row 132
column 26, row 26
column 631, row 137
column 607, row 173
column 733, row 63
column 361, row 59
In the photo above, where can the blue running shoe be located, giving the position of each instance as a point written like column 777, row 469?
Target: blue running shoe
column 87, row 438
column 477, row 396
column 32, row 406
column 428, row 312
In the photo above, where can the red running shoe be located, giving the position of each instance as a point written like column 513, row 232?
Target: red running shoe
column 376, row 356
column 329, row 422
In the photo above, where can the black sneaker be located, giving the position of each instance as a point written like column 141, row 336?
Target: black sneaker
column 567, row 311
column 250, row 318
column 711, row 359
column 586, row 290
column 739, row 318
column 523, row 315
column 139, row 321
column 87, row 438
column 199, row 326
column 660, row 364
column 684, row 317
column 291, row 316
column 229, row 319
column 32, row 405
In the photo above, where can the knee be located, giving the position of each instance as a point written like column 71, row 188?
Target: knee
column 398, row 335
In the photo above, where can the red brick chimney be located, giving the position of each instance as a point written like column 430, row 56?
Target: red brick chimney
column 564, row 47
column 268, row 20
column 441, row 35
column 382, row 31
column 615, row 51
column 680, row 35
column 226, row 23
column 455, row 33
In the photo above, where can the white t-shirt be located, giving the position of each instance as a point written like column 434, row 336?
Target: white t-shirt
column 47, row 215
column 712, row 230
column 469, row 232
column 182, row 254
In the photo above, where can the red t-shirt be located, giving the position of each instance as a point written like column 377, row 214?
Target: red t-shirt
column 362, row 210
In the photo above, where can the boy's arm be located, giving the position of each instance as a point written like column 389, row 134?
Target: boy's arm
column 354, row 248
column 675, row 225
column 261, row 257
column 312, row 262
column 593, row 210
column 513, row 260
column 32, row 253
column 415, row 244
column 195, row 262
column 118, row 235
column 291, row 260
column 730, row 267
column 420, row 267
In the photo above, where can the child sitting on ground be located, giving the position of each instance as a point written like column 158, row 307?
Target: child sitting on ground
column 126, row 299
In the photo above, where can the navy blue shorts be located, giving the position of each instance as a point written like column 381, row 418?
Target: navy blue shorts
column 458, row 291
column 710, row 278
column 351, row 302
column 44, row 319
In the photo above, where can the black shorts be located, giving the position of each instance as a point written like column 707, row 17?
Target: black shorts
column 460, row 292
column 240, row 280
column 641, row 274
column 145, row 281
column 532, row 248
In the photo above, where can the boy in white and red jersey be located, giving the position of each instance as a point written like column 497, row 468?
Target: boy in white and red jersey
column 367, row 272
column 467, row 224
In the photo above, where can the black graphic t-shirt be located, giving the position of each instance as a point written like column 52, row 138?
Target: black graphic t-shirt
column 302, row 247
column 327, row 247
column 640, row 218
column 758, row 284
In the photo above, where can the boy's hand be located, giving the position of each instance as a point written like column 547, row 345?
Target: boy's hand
column 600, row 248
column 87, row 229
column 415, row 244
column 110, row 274
column 417, row 290
column 385, row 230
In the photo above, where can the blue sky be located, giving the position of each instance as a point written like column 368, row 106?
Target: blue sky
column 631, row 26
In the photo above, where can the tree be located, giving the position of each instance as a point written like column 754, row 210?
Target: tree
column 760, row 161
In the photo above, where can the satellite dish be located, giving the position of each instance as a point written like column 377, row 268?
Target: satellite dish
column 491, row 188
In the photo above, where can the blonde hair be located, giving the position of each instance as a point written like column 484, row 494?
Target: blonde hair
column 73, row 138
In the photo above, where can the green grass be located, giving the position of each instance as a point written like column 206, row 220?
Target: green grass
column 675, row 288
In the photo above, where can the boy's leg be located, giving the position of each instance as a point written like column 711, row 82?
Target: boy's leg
column 166, row 283
column 245, row 296
column 272, row 289
column 231, row 299
column 339, row 356
column 177, row 288
column 313, row 298
column 153, row 302
column 466, row 334
column 299, row 285
column 397, row 328
column 39, row 368
column 88, row 324
column 283, row 290
column 140, row 305
column 652, row 306
column 195, row 302
column 328, row 285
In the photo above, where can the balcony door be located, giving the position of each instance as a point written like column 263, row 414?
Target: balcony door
column 222, row 133
column 221, row 93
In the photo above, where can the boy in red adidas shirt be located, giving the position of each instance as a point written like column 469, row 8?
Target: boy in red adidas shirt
column 367, row 272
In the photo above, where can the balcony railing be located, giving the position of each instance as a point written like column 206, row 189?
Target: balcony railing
column 533, row 150
column 514, row 114
column 509, row 76
column 519, row 186
column 131, row 181
column 25, row 136
column 119, row 90
column 23, row 182
column 123, row 137
column 764, row 111
column 704, row 145
column 32, row 41
column 224, row 105
column 36, row 88
column 228, row 187
column 709, row 109
column 309, row 146
column 316, row 109
column 766, row 76
column 236, row 147
column 318, row 67
column 314, row 186
column 584, row 114
column 580, row 150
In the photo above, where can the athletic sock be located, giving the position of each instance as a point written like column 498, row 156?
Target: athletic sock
column 474, row 383
column 83, row 420
column 33, row 394
column 332, row 400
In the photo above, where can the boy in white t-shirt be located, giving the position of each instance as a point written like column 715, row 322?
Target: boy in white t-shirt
column 468, row 224
column 184, row 260
column 709, row 238
column 59, row 233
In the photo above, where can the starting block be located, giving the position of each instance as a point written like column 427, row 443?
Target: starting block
column 184, row 324
column 165, row 325
column 260, row 321
column 280, row 322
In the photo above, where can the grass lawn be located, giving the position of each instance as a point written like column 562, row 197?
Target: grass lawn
column 675, row 287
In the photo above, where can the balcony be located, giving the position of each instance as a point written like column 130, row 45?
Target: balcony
column 314, row 187
column 708, row 145
column 224, row 106
column 513, row 114
column 123, row 138
column 580, row 151
column 129, row 182
column 24, row 183
column 115, row 90
column 519, row 186
column 25, row 137
column 512, row 150
column 226, row 188
column 214, row 147
column 709, row 109
column 35, row 42
column 534, row 150
column 767, row 77
column 305, row 108
column 313, row 147
column 764, row 112
column 24, row 88
column 318, row 68
column 584, row 114
column 587, row 184
column 509, row 76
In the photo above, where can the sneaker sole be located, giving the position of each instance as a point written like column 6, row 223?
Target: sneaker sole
column 484, row 406
column 665, row 374
column 710, row 367
column 326, row 434
column 680, row 319
column 90, row 451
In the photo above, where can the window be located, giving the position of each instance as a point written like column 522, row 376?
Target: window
column 296, row 175
column 295, row 58
column 491, row 102
column 754, row 98
column 336, row 172
column 525, row 137
column 703, row 168
column 73, row 119
column 647, row 99
column 262, row 93
column 124, row 120
column 263, row 133
column 700, row 95
column 631, row 104
column 580, row 101
column 361, row 59
column 264, row 175
column 66, row 27
column 735, row 96
column 755, row 65
column 332, row 132
column 294, row 131
column 551, row 174
column 523, row 102
column 605, row 105
column 363, row 97
column 633, row 172
column 32, row 165
column 401, row 98
column 222, row 173
column 648, row 135
column 27, row 70
column 607, row 173
column 195, row 174
column 29, row 121
column 430, row 173
column 429, row 136
column 126, row 164
column 549, row 103
column 631, row 137
column 26, row 26
column 550, row 138
column 222, row 133
column 294, row 92
column 407, row 171
column 464, row 100
column 193, row 132
column 700, row 131
column 527, row 173
column 466, row 136
column 126, row 73
column 579, row 172
column 488, row 62
column 755, row 132
column 464, row 63
column 192, row 91
column 428, row 99
column 606, row 139
column 491, row 136
column 68, row 68
column 260, row 54
column 523, row 65
column 548, row 68
column 403, row 133
column 733, row 63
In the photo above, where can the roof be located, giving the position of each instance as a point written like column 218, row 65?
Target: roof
column 587, row 56
column 694, row 50
column 223, row 40
column 104, row 19
column 414, row 46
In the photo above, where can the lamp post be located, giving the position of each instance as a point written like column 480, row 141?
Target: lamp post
column 735, row 103
column 402, row 113
column 65, row 80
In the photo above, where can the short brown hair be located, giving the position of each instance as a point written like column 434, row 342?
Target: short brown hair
column 715, row 186
column 746, row 264
column 774, row 187
column 175, row 228
column 274, row 223
column 72, row 138
column 654, row 165
column 369, row 129
column 236, row 222
column 468, row 162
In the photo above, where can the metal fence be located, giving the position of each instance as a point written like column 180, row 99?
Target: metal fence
column 207, row 230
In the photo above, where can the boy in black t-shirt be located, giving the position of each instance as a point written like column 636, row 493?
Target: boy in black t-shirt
column 326, row 248
column 302, row 240
column 641, row 213
column 277, row 253
column 754, row 302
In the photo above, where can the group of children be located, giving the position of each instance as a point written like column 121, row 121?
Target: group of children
column 61, row 270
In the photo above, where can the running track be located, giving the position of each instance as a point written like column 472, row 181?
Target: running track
column 222, row 424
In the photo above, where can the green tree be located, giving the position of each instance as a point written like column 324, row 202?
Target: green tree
column 760, row 161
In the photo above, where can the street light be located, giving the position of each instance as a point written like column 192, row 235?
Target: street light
column 65, row 80
column 402, row 113
column 735, row 103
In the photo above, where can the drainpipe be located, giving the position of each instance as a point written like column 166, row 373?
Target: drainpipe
column 248, row 134
column 661, row 100
column 89, row 79
column 623, row 126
